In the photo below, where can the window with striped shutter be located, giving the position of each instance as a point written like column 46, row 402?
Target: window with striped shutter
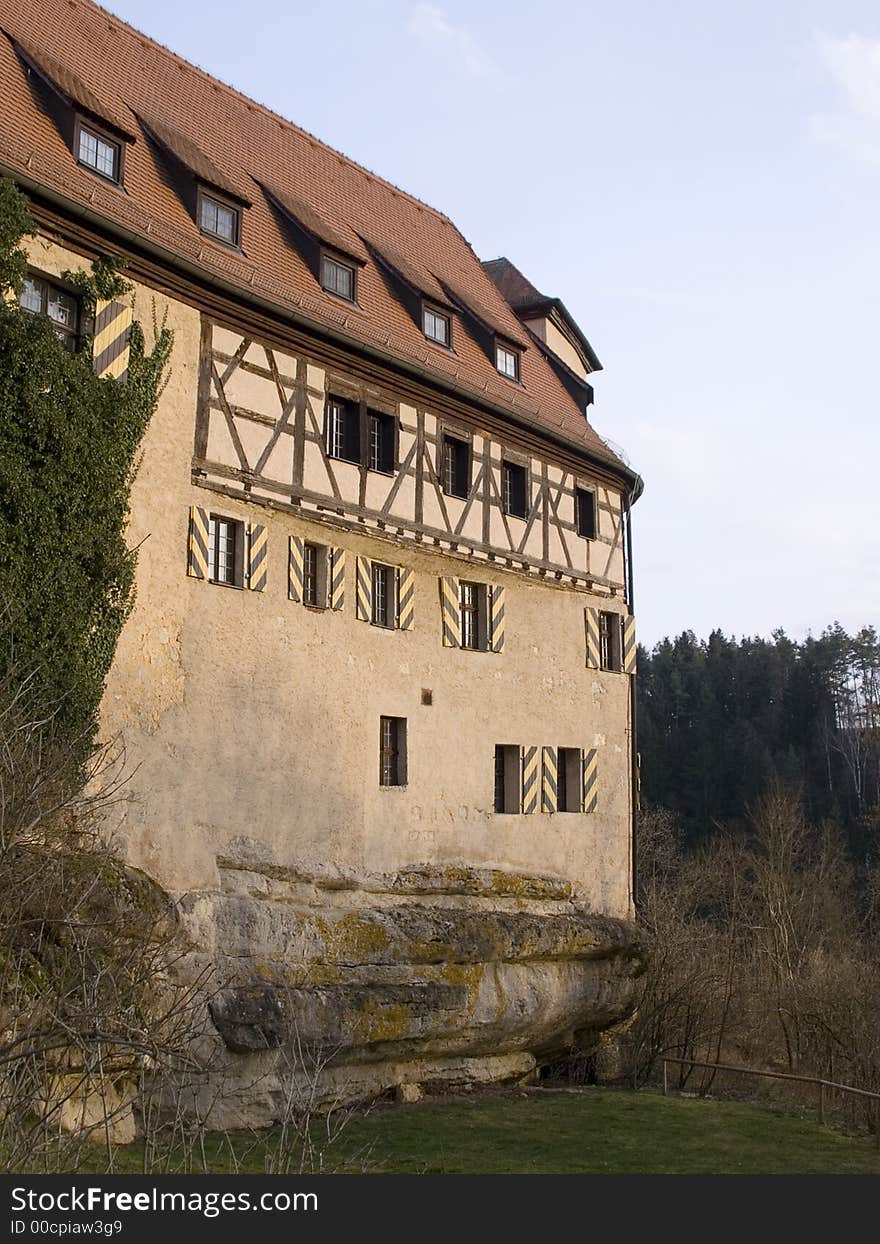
column 450, row 612
column 549, row 778
column 591, row 779
column 258, row 557
column 197, row 548
column 363, row 589
column 496, row 619
column 296, row 568
column 591, row 620
column 629, row 645
column 337, row 578
column 531, row 757
column 405, row 599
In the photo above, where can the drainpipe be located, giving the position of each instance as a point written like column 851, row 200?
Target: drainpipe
column 634, row 754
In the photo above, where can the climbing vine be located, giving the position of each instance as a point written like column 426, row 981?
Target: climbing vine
column 68, row 454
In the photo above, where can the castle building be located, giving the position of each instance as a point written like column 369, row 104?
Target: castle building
column 377, row 685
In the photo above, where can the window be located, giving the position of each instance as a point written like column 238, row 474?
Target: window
column 384, row 602
column 218, row 219
column 515, row 491
column 315, row 558
column 381, row 442
column 437, row 326
column 507, row 778
column 337, row 277
column 43, row 297
column 392, row 751
column 342, row 429
column 569, row 780
column 98, row 152
column 473, row 600
column 456, row 467
column 585, row 507
column 507, row 361
column 225, row 549
column 609, row 641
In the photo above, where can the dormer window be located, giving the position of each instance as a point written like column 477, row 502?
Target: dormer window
column 436, row 326
column 218, row 218
column 97, row 151
column 337, row 277
column 507, row 361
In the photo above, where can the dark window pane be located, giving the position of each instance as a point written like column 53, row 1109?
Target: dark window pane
column 97, row 153
column 507, row 362
column 515, row 499
column 392, row 751
column 223, row 550
column 218, row 219
column 586, row 513
column 456, row 467
column 337, row 277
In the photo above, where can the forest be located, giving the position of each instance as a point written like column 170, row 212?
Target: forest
column 722, row 719
column 758, row 876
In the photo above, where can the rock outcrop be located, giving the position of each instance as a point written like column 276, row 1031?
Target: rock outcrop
column 370, row 983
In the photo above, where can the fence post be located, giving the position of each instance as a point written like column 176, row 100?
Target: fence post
column 821, row 1102
column 666, row 1079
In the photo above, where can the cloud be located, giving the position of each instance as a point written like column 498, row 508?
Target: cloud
column 853, row 63
column 431, row 27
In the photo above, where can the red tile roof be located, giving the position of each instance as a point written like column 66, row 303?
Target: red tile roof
column 127, row 76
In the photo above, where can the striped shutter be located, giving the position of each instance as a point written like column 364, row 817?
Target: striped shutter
column 110, row 348
column 450, row 613
column 405, row 599
column 363, row 589
column 295, row 568
column 496, row 619
column 530, row 757
column 628, row 646
column 549, row 779
column 591, row 776
column 591, row 617
column 197, row 551
column 258, row 557
column 337, row 578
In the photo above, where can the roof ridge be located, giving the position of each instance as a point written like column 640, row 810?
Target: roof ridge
column 226, row 86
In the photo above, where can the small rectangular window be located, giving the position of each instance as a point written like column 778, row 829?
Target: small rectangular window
column 381, row 442
column 456, row 467
column 569, row 781
column 99, row 153
column 315, row 559
column 473, row 599
column 342, row 429
column 515, row 490
column 225, row 551
column 42, row 297
column 437, row 326
column 384, row 579
column 218, row 219
column 609, row 641
column 392, row 751
column 585, row 504
column 507, row 778
column 337, row 277
column 507, row 361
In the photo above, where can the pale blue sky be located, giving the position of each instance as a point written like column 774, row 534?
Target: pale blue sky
column 699, row 183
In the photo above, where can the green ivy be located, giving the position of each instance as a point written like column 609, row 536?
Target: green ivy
column 68, row 450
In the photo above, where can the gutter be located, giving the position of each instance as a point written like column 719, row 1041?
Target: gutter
column 317, row 327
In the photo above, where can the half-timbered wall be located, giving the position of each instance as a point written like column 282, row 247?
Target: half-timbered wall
column 260, row 433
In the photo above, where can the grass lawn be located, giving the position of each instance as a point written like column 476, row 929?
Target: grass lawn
column 594, row 1131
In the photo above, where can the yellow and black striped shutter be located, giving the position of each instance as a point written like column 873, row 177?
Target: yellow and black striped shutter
column 295, row 568
column 450, row 612
column 549, row 779
column 629, row 645
column 591, row 619
column 110, row 347
column 258, row 557
column 197, row 548
column 591, row 779
column 530, row 783
column 406, row 613
column 496, row 619
column 337, row 578
column 363, row 589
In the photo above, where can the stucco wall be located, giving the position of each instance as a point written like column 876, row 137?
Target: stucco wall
column 246, row 715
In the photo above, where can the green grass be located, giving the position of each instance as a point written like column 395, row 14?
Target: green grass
column 595, row 1131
